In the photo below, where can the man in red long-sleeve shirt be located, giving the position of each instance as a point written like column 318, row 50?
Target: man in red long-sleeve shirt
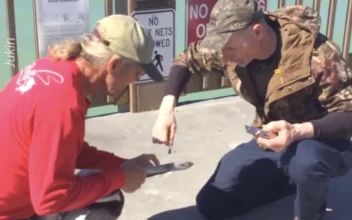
column 42, row 123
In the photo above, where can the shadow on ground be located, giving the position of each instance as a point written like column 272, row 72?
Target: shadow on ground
column 123, row 109
column 186, row 213
column 339, row 202
column 202, row 100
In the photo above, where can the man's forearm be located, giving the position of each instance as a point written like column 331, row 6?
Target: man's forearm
column 333, row 126
column 303, row 130
column 178, row 79
column 92, row 158
column 168, row 104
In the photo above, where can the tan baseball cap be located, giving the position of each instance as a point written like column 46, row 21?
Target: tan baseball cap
column 127, row 38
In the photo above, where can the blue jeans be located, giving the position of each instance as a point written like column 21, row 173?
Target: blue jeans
column 249, row 177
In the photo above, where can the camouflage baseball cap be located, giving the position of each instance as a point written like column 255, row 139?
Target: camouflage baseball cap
column 127, row 38
column 228, row 16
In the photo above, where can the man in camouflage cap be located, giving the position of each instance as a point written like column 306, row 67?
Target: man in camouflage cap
column 301, row 89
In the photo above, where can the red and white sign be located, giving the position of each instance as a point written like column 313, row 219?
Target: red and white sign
column 198, row 13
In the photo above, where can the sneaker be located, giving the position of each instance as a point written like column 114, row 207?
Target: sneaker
column 322, row 212
column 320, row 215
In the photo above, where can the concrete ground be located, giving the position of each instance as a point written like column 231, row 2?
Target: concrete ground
column 206, row 131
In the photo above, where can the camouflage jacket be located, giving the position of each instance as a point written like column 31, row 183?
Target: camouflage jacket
column 312, row 78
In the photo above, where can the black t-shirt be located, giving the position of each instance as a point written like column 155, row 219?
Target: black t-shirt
column 261, row 71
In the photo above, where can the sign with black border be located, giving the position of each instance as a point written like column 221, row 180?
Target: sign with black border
column 161, row 24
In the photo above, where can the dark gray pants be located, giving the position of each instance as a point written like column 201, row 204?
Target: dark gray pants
column 248, row 177
column 108, row 208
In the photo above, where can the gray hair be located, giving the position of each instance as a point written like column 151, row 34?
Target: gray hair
column 89, row 47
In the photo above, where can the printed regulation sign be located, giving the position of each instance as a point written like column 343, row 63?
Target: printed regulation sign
column 161, row 24
column 198, row 13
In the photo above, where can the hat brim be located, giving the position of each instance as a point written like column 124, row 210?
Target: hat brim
column 214, row 41
column 151, row 70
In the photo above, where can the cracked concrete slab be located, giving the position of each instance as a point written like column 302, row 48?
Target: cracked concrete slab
column 206, row 131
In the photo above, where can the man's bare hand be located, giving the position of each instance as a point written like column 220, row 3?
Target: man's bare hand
column 164, row 129
column 135, row 176
column 285, row 135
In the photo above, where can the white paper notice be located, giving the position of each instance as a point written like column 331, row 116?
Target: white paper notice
column 60, row 19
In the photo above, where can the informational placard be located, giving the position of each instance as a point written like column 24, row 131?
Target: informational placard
column 161, row 25
column 60, row 19
column 198, row 14
column 263, row 3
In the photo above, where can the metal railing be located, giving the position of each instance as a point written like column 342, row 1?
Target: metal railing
column 11, row 27
column 331, row 21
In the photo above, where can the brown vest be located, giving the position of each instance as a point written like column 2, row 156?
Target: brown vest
column 291, row 87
